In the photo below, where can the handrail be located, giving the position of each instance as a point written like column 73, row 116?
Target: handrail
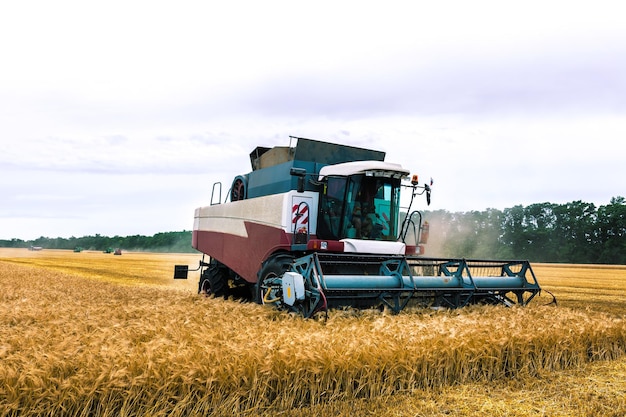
column 219, row 196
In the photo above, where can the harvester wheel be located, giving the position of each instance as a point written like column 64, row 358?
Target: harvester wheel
column 238, row 191
column 215, row 280
column 274, row 267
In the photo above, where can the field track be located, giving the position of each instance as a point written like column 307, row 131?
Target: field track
column 102, row 335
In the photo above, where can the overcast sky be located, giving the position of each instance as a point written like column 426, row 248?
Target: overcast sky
column 116, row 117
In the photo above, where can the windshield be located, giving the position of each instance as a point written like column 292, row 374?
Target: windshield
column 359, row 207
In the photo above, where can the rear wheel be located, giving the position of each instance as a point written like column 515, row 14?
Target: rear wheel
column 268, row 288
column 214, row 280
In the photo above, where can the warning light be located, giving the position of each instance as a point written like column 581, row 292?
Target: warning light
column 414, row 179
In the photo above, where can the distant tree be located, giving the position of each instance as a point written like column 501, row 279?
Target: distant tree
column 539, row 223
column 13, row 243
column 611, row 232
column 474, row 234
column 514, row 232
column 574, row 232
column 160, row 242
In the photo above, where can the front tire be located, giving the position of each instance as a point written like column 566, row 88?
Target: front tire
column 267, row 289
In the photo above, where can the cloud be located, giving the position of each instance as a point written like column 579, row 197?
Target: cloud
column 118, row 117
column 542, row 82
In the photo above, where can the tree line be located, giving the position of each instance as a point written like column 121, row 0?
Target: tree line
column 574, row 232
column 172, row 242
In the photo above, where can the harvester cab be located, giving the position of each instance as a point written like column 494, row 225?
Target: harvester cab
column 359, row 206
column 320, row 225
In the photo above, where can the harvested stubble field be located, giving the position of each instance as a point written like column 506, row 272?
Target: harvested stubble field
column 95, row 334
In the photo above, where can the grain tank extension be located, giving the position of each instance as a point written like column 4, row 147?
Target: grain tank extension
column 319, row 225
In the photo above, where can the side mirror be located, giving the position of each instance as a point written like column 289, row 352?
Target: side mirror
column 300, row 173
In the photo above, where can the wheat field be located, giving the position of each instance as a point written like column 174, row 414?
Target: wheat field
column 94, row 334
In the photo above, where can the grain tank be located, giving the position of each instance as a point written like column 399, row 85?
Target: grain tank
column 320, row 225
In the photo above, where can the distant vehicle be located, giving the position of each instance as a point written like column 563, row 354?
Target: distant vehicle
column 35, row 248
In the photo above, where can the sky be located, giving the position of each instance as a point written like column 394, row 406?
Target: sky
column 117, row 117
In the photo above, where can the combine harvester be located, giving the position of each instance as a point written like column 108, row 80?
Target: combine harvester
column 319, row 225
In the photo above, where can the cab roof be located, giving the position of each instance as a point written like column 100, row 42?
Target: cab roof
column 375, row 168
